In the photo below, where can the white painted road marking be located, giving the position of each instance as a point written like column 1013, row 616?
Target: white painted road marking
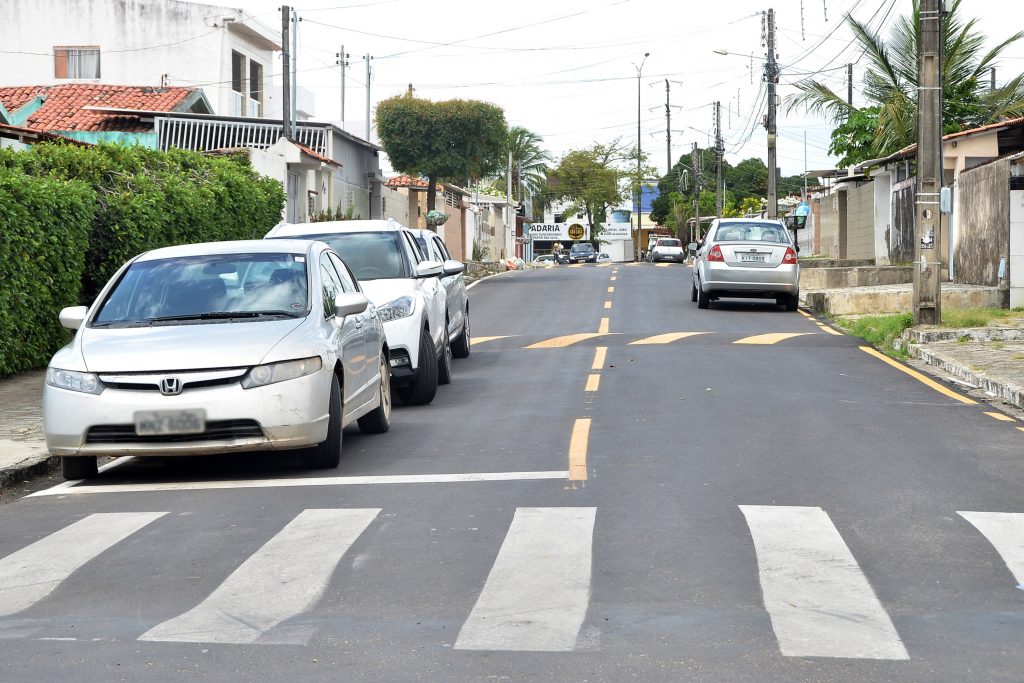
column 1005, row 531
column 820, row 602
column 308, row 481
column 538, row 590
column 30, row 574
column 279, row 581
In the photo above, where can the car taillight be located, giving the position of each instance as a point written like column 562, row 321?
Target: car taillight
column 790, row 256
column 716, row 254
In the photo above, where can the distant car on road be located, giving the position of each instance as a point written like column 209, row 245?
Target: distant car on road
column 216, row 348
column 746, row 258
column 582, row 252
column 604, row 258
column 544, row 259
column 668, row 249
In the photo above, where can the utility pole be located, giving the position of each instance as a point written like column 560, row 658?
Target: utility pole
column 771, row 75
column 668, row 131
column 510, row 215
column 719, row 151
column 343, row 63
column 849, row 84
column 992, row 84
column 295, row 71
column 927, row 262
column 368, row 57
column 639, row 179
column 286, row 119
column 695, row 162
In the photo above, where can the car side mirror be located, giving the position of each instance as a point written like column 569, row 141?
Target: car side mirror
column 72, row 317
column 429, row 269
column 453, row 267
column 350, row 303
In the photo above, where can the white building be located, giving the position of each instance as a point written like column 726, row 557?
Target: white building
column 232, row 55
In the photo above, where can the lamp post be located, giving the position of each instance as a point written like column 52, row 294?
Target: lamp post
column 639, row 190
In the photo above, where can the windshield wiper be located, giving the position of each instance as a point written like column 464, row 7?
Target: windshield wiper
column 220, row 315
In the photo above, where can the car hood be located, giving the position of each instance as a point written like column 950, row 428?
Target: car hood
column 380, row 292
column 181, row 347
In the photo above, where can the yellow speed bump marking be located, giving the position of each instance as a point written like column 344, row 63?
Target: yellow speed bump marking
column 918, row 376
column 663, row 265
column 667, row 338
column 576, row 265
column 805, row 314
column 603, row 327
column 773, row 338
column 599, row 355
column 829, row 330
column 578, row 449
column 607, row 304
column 473, row 341
column 1021, row 428
column 566, row 340
column 1001, row 417
column 593, row 382
column 611, row 289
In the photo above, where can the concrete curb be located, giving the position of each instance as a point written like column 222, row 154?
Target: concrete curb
column 1012, row 394
column 23, row 471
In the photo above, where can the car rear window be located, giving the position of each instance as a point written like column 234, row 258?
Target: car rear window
column 751, row 232
column 669, row 243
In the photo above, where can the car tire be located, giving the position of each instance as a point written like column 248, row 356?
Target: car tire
column 78, row 466
column 327, row 454
column 444, row 363
column 693, row 291
column 378, row 420
column 792, row 302
column 703, row 299
column 422, row 389
column 463, row 344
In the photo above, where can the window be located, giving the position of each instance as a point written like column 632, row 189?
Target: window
column 237, row 72
column 256, row 81
column 348, row 283
column 76, row 62
column 441, row 249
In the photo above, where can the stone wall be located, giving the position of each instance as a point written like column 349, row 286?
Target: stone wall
column 860, row 222
column 983, row 225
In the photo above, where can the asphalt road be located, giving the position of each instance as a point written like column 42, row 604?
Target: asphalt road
column 615, row 486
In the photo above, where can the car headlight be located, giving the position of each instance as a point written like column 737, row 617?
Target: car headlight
column 402, row 307
column 84, row 382
column 262, row 375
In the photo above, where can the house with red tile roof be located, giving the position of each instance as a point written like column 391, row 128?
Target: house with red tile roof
column 96, row 113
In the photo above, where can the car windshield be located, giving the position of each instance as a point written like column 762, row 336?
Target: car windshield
column 669, row 243
column 585, row 246
column 751, row 232
column 369, row 255
column 207, row 288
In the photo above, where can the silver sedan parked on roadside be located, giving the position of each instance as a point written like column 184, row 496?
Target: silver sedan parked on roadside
column 746, row 258
column 219, row 347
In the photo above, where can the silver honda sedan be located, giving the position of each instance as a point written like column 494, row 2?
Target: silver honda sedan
column 746, row 258
column 219, row 347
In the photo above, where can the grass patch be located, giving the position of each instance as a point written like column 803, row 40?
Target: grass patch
column 972, row 317
column 879, row 330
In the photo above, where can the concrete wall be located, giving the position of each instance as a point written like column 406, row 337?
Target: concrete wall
column 1016, row 274
column 983, row 225
column 828, row 226
column 395, row 204
column 882, row 187
column 860, row 222
column 900, row 237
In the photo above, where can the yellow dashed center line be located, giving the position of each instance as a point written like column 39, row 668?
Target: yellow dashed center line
column 599, row 355
column 1001, row 417
column 578, row 449
column 611, row 289
column 603, row 329
column 613, row 278
column 566, row 340
column 918, row 376
column 593, row 382
column 607, row 304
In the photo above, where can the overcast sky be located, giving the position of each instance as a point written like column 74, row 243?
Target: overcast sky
column 566, row 69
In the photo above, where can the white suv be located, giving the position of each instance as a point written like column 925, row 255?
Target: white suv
column 406, row 289
column 434, row 248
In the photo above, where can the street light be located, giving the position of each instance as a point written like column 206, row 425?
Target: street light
column 639, row 191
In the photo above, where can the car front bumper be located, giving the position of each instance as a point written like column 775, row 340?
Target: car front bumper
column 718, row 277
column 285, row 415
column 403, row 335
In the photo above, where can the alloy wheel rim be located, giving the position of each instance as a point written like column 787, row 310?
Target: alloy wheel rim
column 385, row 389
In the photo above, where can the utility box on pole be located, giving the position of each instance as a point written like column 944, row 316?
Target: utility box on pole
column 927, row 261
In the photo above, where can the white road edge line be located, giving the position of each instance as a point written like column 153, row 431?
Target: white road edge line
column 819, row 601
column 311, row 481
column 538, row 590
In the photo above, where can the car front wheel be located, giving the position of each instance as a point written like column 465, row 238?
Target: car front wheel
column 378, row 420
column 444, row 363
column 327, row 454
column 422, row 389
column 462, row 345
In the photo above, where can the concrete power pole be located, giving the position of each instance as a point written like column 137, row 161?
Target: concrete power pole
column 695, row 163
column 343, row 63
column 849, row 84
column 719, row 151
column 668, row 131
column 771, row 74
column 927, row 262
column 286, row 107
column 368, row 57
column 295, row 72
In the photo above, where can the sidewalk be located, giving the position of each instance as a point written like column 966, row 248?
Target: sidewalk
column 22, row 448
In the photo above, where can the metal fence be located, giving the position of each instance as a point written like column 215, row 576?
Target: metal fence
column 202, row 135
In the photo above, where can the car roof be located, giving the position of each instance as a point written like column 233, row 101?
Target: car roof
column 233, row 247
column 748, row 221
column 335, row 227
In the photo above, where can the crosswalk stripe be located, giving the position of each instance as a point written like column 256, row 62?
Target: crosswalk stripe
column 30, row 574
column 1005, row 531
column 666, row 338
column 537, row 593
column 819, row 601
column 772, row 338
column 279, row 581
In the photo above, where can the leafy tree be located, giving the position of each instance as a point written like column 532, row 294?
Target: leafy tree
column 890, row 86
column 442, row 141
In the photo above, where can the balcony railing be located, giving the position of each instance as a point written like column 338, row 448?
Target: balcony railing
column 203, row 135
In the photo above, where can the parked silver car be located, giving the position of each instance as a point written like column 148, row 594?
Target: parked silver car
column 434, row 249
column 212, row 348
column 746, row 258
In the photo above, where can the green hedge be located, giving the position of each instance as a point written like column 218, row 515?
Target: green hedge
column 135, row 200
column 44, row 231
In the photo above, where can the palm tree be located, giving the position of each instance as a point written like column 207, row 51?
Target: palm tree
column 529, row 162
column 890, row 84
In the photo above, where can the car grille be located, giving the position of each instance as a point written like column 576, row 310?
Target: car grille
column 216, row 430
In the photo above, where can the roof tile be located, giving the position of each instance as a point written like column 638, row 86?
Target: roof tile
column 63, row 105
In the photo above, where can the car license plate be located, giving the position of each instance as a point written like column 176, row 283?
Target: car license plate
column 752, row 258
column 170, row 422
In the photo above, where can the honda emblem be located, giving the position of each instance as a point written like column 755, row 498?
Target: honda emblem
column 170, row 386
